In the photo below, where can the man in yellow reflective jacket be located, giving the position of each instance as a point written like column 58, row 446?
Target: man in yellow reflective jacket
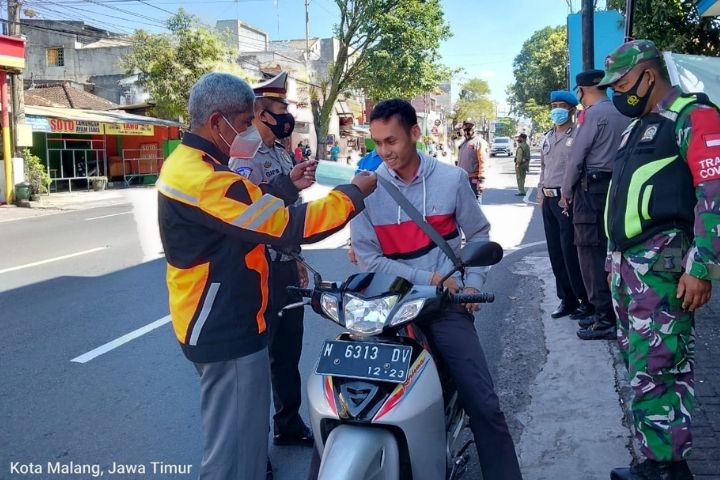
column 214, row 226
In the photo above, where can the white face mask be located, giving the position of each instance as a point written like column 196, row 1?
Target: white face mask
column 245, row 144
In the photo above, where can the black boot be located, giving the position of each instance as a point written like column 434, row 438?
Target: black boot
column 584, row 310
column 587, row 322
column 602, row 329
column 681, row 471
column 647, row 470
column 563, row 310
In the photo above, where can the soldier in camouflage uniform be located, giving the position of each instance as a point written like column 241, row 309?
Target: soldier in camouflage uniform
column 662, row 220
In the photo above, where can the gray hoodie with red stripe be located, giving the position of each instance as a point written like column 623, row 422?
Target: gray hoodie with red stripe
column 386, row 240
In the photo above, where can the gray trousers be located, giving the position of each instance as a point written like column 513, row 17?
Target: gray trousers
column 235, row 411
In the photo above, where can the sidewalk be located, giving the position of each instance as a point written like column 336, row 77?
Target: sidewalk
column 66, row 201
column 705, row 457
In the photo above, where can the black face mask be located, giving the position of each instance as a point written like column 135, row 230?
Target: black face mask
column 284, row 124
column 630, row 103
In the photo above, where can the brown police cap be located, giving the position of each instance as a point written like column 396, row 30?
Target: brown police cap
column 274, row 88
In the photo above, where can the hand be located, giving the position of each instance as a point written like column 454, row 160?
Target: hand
column 694, row 292
column 302, row 275
column 303, row 174
column 567, row 200
column 451, row 284
column 351, row 256
column 540, row 199
column 471, row 307
column 366, row 182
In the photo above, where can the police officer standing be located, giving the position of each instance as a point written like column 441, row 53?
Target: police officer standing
column 557, row 218
column 597, row 135
column 662, row 222
column 274, row 123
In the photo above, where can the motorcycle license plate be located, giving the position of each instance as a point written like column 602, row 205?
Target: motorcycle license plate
column 365, row 360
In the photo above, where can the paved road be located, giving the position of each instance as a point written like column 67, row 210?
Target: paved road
column 76, row 280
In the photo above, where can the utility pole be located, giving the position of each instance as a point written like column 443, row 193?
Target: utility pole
column 629, row 19
column 16, row 79
column 307, row 38
column 588, row 34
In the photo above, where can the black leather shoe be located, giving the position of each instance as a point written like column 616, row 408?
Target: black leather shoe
column 304, row 438
column 582, row 311
column 587, row 321
column 520, row 194
column 563, row 310
column 600, row 330
column 680, row 471
column 647, row 470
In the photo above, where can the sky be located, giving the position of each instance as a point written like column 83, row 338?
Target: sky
column 487, row 34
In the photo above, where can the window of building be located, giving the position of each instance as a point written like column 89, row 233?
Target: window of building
column 55, row 57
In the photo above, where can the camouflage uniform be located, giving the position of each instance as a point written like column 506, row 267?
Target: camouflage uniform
column 656, row 336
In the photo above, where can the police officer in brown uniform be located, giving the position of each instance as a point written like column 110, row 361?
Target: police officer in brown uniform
column 274, row 123
column 598, row 131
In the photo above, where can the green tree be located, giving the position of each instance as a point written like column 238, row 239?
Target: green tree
column 387, row 48
column 674, row 25
column 169, row 64
column 540, row 68
column 474, row 101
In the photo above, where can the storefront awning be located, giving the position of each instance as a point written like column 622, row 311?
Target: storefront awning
column 116, row 117
column 342, row 108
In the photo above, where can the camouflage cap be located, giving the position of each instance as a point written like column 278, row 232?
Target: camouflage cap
column 625, row 57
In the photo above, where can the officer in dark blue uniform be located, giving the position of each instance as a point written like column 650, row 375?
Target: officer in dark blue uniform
column 598, row 131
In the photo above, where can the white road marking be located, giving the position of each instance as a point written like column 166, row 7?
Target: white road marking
column 102, row 349
column 107, row 216
column 512, row 250
column 50, row 260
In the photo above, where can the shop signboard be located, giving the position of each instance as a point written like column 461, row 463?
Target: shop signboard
column 129, row 129
column 62, row 125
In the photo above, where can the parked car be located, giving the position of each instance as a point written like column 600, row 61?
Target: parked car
column 501, row 146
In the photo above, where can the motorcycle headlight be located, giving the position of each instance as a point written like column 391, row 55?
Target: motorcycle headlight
column 367, row 317
column 329, row 305
column 408, row 311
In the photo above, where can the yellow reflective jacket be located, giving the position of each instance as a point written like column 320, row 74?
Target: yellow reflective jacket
column 214, row 225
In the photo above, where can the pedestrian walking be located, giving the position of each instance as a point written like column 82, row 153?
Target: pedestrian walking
column 285, row 334
column 471, row 156
column 335, row 152
column 522, row 162
column 587, row 177
column 662, row 223
column 557, row 217
column 213, row 225
column 298, row 153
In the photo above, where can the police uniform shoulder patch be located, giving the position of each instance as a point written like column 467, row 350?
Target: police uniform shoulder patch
column 244, row 171
column 649, row 133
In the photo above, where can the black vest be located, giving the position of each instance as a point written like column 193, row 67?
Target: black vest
column 652, row 188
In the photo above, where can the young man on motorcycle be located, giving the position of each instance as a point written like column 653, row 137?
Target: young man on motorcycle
column 387, row 240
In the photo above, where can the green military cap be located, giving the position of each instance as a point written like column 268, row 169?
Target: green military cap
column 625, row 57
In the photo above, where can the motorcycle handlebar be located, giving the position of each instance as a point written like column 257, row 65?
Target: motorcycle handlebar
column 472, row 298
column 302, row 292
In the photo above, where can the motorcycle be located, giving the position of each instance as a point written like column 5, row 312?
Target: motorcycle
column 379, row 408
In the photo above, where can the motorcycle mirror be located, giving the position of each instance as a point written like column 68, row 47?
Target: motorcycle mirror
column 317, row 278
column 481, row 254
column 477, row 255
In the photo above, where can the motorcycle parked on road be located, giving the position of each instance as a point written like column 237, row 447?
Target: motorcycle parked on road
column 379, row 409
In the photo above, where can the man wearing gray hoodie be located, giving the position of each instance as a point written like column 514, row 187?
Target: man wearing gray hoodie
column 385, row 239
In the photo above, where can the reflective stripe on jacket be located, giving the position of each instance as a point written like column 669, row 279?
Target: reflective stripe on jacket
column 214, row 224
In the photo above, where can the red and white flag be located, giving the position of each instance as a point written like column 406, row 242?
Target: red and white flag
column 712, row 139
